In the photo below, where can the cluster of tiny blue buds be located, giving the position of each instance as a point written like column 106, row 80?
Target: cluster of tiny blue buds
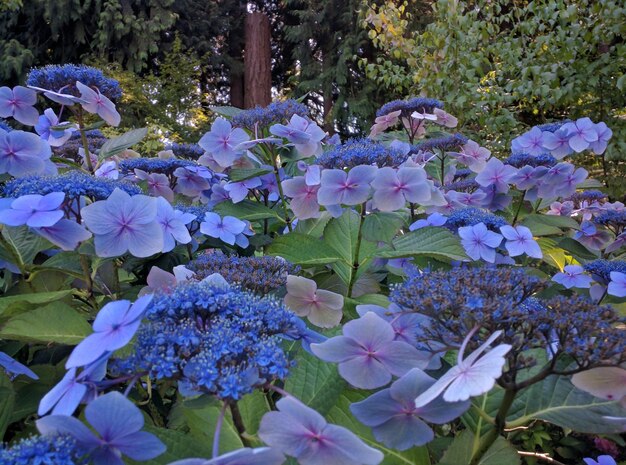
column 356, row 152
column 276, row 112
column 587, row 196
column 73, row 183
column 55, row 77
column 213, row 339
column 44, row 450
column 601, row 270
column 153, row 165
column 613, row 220
column 421, row 104
column 446, row 143
column 471, row 216
column 187, row 151
column 519, row 160
column 551, row 127
column 95, row 140
column 257, row 274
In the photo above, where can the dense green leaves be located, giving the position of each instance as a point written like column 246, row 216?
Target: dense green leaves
column 302, row 249
column 431, row 242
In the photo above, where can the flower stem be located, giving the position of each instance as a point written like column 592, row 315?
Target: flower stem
column 83, row 138
column 357, row 250
column 218, row 430
column 519, row 208
column 281, row 193
column 239, row 424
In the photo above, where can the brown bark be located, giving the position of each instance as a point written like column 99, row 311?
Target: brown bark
column 257, row 61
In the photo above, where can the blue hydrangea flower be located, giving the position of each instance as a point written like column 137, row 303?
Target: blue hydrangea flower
column 497, row 175
column 222, row 142
column 173, row 223
column 56, row 77
column 114, row 327
column 479, row 242
column 348, row 188
column 214, row 339
column 601, row 269
column 226, row 229
column 394, row 418
column 368, row 353
column 602, row 460
column 44, row 450
column 118, row 423
column 66, row 234
column 186, row 151
column 301, row 432
column 153, row 165
column 23, row 153
column 581, row 134
column 356, row 152
column 520, row 240
column 14, row 368
column 55, row 137
column 471, row 216
column 95, row 102
column 447, row 143
column 34, row 210
column 275, row 112
column 74, row 183
column 123, row 224
column 18, row 103
column 408, row 106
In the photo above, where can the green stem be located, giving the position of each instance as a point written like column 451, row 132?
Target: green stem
column 519, row 207
column 83, row 138
column 239, row 424
column 281, row 193
column 357, row 250
column 500, row 424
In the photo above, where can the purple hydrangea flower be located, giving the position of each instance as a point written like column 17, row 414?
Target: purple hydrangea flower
column 15, row 368
column 394, row 418
column 590, row 236
column 221, row 142
column 368, row 354
column 118, row 423
column 226, row 229
column 158, row 184
column 581, row 134
column 604, row 135
column 192, row 180
column 114, row 327
column 531, row 142
column 434, row 219
column 66, row 396
column 497, row 175
column 123, row 223
column 479, row 242
column 468, row 199
column 95, row 102
column 519, row 240
column 323, row 308
column 303, row 197
column 18, row 103
column 301, row 432
column 237, row 191
column 572, row 276
column 394, row 188
column 352, row 188
column 173, row 223
column 108, row 169
column 617, row 286
column 23, row 153
column 245, row 456
column 557, row 143
column 66, row 234
column 34, row 210
column 54, row 137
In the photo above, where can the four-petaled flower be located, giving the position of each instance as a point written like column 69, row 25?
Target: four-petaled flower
column 339, row 187
column 23, row 153
column 479, row 242
column 34, row 210
column 368, row 353
column 581, row 134
column 572, row 276
column 519, row 240
column 394, row 188
column 617, row 286
column 226, row 229
column 323, row 308
column 496, row 175
column 301, row 432
column 95, row 102
column 222, row 141
column 18, row 103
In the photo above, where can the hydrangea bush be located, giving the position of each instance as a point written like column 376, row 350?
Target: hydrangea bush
column 270, row 294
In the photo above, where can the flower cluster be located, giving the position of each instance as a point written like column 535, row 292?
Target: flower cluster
column 56, row 77
column 213, row 338
column 263, row 117
column 71, row 148
column 447, row 143
column 186, row 151
column 601, row 270
column 361, row 152
column 471, row 216
column 257, row 274
column 44, row 450
column 420, row 104
column 74, row 183
column 152, row 165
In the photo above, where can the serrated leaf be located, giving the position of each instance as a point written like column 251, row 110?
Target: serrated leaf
column 117, row 145
column 225, row 110
column 252, row 407
column 246, row 210
column 315, row 382
column 382, row 226
column 340, row 414
column 22, row 245
column 56, row 322
column 302, row 249
column 558, row 401
column 430, row 241
column 241, row 174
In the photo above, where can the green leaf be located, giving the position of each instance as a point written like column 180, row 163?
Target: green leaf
column 548, row 225
column 430, row 241
column 340, row 414
column 226, row 111
column 313, row 226
column 246, row 210
column 179, row 445
column 56, row 322
column 315, row 382
column 7, row 402
column 302, row 249
column 590, row 183
column 382, row 226
column 576, row 249
column 552, row 253
column 117, row 145
column 241, row 174
column 252, row 407
column 22, row 245
column 11, row 305
column 501, row 452
column 556, row 400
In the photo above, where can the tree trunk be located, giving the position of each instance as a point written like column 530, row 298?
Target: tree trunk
column 257, row 61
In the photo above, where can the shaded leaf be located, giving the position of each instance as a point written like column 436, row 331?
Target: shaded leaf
column 246, row 210
column 117, row 145
column 302, row 249
column 431, row 241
